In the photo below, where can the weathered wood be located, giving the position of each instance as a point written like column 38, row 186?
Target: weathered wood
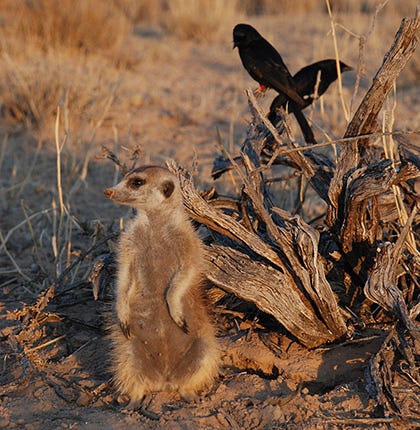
column 290, row 274
column 270, row 290
column 273, row 142
column 306, row 240
column 364, row 120
column 296, row 239
column 381, row 286
column 202, row 212
column 378, row 375
column 362, row 185
column 265, row 255
column 323, row 166
column 310, row 166
column 362, row 205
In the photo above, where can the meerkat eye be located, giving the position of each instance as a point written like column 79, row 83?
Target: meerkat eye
column 136, row 183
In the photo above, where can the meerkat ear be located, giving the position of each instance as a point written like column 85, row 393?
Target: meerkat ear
column 168, row 188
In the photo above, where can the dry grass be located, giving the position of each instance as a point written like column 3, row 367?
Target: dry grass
column 189, row 11
column 138, row 11
column 85, row 25
column 202, row 20
column 32, row 90
column 308, row 6
column 69, row 50
column 60, row 52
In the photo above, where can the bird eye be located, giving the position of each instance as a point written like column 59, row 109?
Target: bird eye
column 136, row 183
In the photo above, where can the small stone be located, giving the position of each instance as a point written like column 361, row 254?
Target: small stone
column 83, row 400
column 4, row 422
column 34, row 267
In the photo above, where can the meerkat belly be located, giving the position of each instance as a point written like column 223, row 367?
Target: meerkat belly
column 158, row 260
column 161, row 346
column 157, row 339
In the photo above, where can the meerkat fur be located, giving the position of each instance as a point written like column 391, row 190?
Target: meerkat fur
column 163, row 339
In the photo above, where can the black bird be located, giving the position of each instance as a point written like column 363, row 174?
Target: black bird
column 264, row 63
column 305, row 82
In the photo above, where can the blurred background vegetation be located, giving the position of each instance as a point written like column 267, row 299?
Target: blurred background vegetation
column 73, row 51
column 161, row 74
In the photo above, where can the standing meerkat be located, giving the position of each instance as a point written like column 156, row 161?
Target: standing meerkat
column 164, row 339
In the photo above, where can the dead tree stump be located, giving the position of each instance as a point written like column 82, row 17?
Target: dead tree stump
column 267, row 256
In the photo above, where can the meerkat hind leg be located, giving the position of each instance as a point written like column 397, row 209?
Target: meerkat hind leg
column 140, row 405
column 149, row 414
column 191, row 372
column 134, row 404
column 189, row 396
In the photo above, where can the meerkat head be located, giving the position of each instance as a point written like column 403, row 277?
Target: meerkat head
column 146, row 188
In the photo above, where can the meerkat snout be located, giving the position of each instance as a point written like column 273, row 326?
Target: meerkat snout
column 109, row 192
column 162, row 337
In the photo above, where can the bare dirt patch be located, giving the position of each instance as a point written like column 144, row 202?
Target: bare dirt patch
column 174, row 99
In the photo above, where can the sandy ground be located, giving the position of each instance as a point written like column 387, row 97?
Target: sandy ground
column 184, row 94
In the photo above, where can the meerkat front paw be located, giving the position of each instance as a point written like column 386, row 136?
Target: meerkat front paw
column 125, row 328
column 179, row 319
column 174, row 303
column 182, row 324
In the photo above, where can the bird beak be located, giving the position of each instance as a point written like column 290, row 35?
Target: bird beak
column 346, row 68
column 234, row 45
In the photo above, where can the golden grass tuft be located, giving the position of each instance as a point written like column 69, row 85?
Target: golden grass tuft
column 86, row 25
column 60, row 52
column 32, row 89
column 277, row 7
column 141, row 10
column 204, row 20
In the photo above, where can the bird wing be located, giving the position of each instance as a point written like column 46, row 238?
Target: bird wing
column 274, row 73
column 283, row 85
column 307, row 77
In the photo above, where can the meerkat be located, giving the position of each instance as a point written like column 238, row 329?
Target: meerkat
column 164, row 339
